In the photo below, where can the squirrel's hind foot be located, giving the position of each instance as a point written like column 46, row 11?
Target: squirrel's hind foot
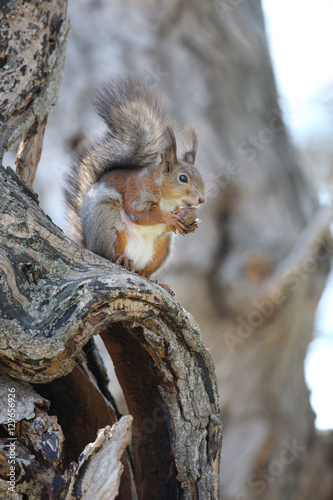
column 163, row 285
column 123, row 261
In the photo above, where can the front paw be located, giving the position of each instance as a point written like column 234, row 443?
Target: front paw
column 192, row 227
column 174, row 222
column 188, row 218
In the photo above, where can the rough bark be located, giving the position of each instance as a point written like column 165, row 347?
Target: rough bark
column 54, row 297
column 32, row 55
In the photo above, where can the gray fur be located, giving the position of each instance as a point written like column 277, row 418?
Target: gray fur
column 97, row 211
column 144, row 172
column 137, row 119
column 159, row 180
column 133, row 217
column 139, row 133
column 188, row 144
column 145, row 201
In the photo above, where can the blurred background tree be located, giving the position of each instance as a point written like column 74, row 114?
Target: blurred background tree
column 254, row 272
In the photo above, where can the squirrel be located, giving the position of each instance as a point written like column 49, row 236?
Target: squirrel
column 129, row 191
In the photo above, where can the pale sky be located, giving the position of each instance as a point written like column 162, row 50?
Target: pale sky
column 301, row 38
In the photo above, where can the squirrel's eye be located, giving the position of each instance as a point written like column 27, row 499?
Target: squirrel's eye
column 183, row 178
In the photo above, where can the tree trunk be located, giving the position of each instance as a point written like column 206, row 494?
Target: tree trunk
column 32, row 56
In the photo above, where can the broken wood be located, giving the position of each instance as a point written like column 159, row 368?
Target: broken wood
column 30, row 150
column 98, row 473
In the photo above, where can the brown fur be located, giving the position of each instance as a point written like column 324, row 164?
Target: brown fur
column 161, row 253
column 131, row 178
column 121, row 244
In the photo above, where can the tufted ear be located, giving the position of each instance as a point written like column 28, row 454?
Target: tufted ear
column 169, row 155
column 189, row 138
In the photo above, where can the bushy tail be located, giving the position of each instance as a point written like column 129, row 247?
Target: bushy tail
column 138, row 124
column 136, row 118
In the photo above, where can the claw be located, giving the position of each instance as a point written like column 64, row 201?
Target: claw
column 163, row 285
column 174, row 222
column 124, row 261
column 168, row 288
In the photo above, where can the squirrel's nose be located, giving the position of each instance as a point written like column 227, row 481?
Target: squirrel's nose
column 202, row 199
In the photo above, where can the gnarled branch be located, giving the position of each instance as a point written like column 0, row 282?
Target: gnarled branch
column 55, row 296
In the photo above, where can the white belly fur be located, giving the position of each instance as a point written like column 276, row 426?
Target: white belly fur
column 141, row 241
